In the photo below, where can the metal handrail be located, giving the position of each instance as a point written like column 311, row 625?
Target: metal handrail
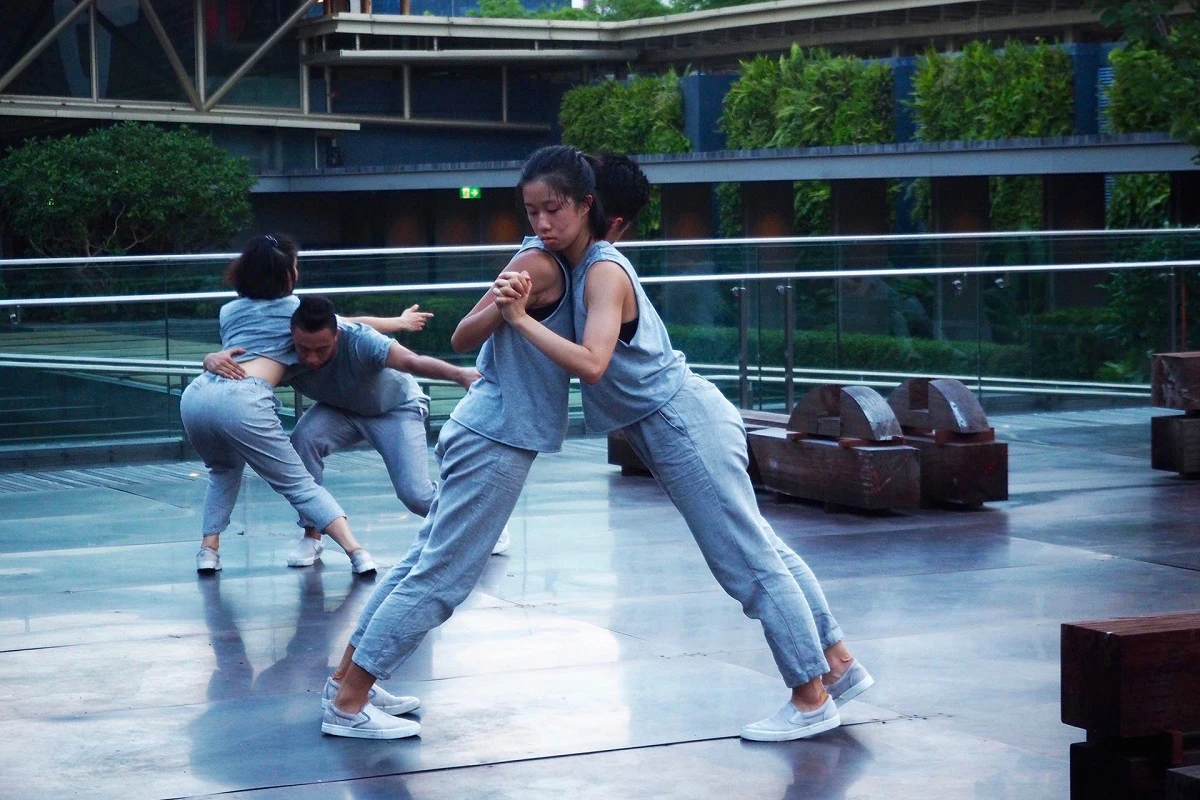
column 503, row 248
column 34, row 302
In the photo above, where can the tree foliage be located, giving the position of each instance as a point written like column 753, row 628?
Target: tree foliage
column 983, row 93
column 130, row 188
column 828, row 100
column 643, row 115
column 808, row 98
column 748, row 118
column 1157, row 76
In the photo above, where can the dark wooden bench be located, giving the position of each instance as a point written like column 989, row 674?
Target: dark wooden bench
column 1175, row 439
column 842, row 446
column 961, row 461
column 620, row 454
column 1134, row 685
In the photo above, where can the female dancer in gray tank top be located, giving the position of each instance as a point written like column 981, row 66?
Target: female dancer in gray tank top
column 517, row 409
column 683, row 428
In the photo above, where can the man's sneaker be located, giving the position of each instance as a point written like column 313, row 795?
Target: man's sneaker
column 854, row 681
column 379, row 697
column 361, row 562
column 502, row 543
column 208, row 560
column 370, row 723
column 306, row 552
column 790, row 723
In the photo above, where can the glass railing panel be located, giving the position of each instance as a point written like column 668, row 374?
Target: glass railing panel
column 1023, row 319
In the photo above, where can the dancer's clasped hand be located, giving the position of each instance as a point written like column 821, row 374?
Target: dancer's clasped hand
column 511, row 291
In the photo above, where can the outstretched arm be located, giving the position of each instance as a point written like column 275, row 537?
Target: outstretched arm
column 413, row 319
column 482, row 320
column 401, row 358
column 606, row 293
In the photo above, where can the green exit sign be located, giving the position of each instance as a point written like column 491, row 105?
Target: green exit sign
column 469, row 193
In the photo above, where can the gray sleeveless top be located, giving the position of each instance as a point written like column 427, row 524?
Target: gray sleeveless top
column 262, row 327
column 521, row 400
column 644, row 374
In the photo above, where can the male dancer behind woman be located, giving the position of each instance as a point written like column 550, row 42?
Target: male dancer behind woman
column 364, row 391
column 684, row 429
column 233, row 423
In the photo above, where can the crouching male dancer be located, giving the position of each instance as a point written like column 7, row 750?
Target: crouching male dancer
column 360, row 380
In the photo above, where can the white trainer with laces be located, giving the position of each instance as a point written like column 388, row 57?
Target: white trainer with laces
column 370, row 723
column 790, row 723
column 361, row 562
column 502, row 543
column 208, row 560
column 379, row 697
column 854, row 681
column 306, row 552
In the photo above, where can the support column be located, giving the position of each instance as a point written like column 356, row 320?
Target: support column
column 1185, row 198
column 703, row 99
column 1074, row 202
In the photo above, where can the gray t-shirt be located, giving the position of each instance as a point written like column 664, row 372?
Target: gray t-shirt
column 262, row 327
column 357, row 378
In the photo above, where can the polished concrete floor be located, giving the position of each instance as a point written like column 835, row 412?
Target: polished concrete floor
column 597, row 659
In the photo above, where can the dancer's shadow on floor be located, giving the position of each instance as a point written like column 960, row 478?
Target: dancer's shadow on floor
column 263, row 730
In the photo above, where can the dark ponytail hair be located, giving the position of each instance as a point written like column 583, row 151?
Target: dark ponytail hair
column 569, row 173
column 264, row 270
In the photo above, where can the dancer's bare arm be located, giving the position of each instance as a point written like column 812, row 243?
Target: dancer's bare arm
column 607, row 292
column 482, row 320
column 413, row 319
column 405, row 360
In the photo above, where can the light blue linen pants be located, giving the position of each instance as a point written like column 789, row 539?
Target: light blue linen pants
column 397, row 435
column 232, row 423
column 481, row 480
column 696, row 447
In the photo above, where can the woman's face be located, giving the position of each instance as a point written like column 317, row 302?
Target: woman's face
column 557, row 220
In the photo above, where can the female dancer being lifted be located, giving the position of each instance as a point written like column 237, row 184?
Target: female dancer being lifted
column 682, row 427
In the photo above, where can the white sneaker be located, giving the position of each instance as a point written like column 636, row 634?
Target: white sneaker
column 854, row 681
column 306, row 552
column 790, row 723
column 502, row 543
column 379, row 697
column 370, row 723
column 361, row 562
column 208, row 560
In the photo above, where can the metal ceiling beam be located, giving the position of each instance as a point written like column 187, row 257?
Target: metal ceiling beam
column 160, row 33
column 257, row 55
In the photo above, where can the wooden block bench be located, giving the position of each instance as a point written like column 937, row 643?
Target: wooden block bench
column 842, row 446
column 1134, row 685
column 620, row 454
column 1175, row 439
column 961, row 461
